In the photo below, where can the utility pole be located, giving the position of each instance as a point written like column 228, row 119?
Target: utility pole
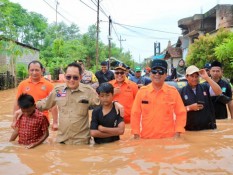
column 121, row 41
column 156, row 48
column 139, row 60
column 97, row 35
column 109, row 39
column 57, row 3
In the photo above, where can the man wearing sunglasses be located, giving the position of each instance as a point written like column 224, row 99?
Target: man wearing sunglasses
column 158, row 110
column 73, row 100
column 124, row 91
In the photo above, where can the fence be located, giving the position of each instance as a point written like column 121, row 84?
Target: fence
column 7, row 81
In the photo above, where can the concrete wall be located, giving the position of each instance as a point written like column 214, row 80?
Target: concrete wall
column 224, row 16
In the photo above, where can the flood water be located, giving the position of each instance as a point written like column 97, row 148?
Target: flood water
column 195, row 153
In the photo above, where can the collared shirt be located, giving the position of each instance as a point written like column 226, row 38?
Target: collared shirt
column 104, row 77
column 73, row 108
column 31, row 129
column 220, row 108
column 140, row 80
column 204, row 118
column 111, row 120
column 158, row 114
column 128, row 91
column 38, row 90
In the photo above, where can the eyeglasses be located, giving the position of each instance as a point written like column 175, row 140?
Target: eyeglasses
column 68, row 77
column 117, row 73
column 160, row 72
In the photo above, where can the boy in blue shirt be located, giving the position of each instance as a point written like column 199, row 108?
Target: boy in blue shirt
column 106, row 124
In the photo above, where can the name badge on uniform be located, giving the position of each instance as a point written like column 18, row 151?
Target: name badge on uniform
column 60, row 94
column 43, row 87
column 224, row 89
column 27, row 89
column 145, row 102
column 204, row 93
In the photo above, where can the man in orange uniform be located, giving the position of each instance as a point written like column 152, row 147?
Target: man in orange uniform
column 158, row 107
column 124, row 91
column 38, row 87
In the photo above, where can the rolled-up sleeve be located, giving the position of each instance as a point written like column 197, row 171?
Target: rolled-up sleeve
column 47, row 102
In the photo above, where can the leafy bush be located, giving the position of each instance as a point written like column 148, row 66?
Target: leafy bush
column 21, row 71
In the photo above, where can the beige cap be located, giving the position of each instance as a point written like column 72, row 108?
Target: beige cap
column 191, row 69
column 120, row 67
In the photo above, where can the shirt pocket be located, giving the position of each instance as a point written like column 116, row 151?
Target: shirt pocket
column 169, row 109
column 145, row 106
column 82, row 107
column 62, row 105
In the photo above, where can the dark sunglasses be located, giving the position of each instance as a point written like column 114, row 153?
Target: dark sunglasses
column 160, row 72
column 117, row 73
column 68, row 77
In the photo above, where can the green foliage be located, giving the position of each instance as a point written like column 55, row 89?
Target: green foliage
column 22, row 71
column 59, row 44
column 213, row 47
column 201, row 51
column 224, row 53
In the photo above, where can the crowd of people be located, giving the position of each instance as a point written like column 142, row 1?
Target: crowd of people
column 153, row 108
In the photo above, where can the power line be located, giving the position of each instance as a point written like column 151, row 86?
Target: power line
column 88, row 5
column 115, row 33
column 101, row 9
column 146, row 28
column 137, row 33
column 57, row 11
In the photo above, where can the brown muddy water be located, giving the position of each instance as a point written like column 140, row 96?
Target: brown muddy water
column 196, row 153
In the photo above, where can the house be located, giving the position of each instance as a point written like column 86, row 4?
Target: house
column 220, row 16
column 7, row 60
column 172, row 54
column 13, row 53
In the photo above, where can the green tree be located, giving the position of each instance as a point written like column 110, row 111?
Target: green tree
column 212, row 47
column 89, row 41
column 224, row 53
column 201, row 51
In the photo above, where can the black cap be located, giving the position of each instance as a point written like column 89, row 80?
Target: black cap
column 104, row 63
column 158, row 63
column 216, row 64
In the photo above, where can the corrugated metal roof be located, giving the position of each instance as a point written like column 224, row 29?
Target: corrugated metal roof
column 161, row 56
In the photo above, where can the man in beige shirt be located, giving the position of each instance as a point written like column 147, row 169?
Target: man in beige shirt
column 73, row 100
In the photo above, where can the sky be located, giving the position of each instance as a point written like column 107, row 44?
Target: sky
column 139, row 24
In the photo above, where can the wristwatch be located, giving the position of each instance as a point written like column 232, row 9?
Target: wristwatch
column 187, row 108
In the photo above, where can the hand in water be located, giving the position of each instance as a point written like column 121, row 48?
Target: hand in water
column 136, row 136
column 30, row 146
column 177, row 135
column 54, row 127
